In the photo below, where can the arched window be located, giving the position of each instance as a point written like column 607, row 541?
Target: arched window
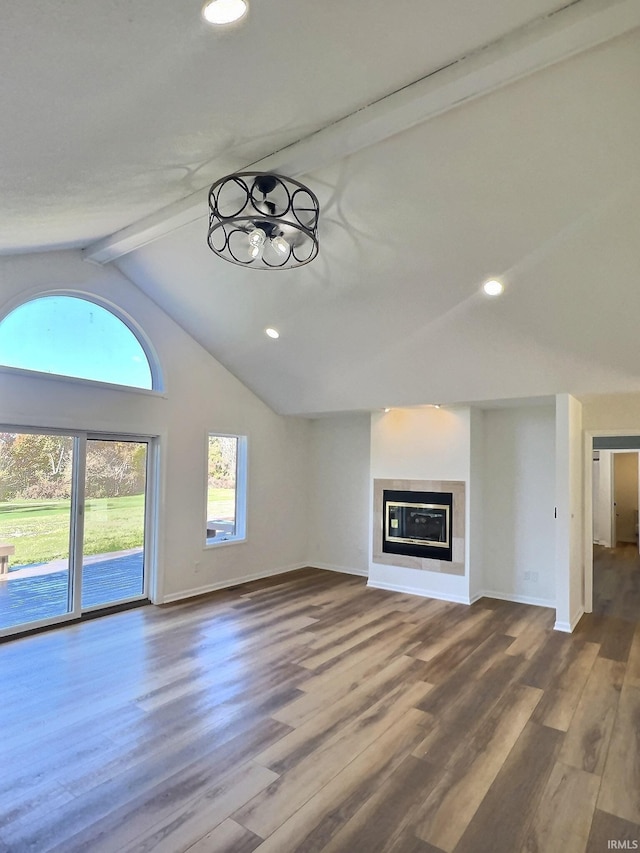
column 71, row 336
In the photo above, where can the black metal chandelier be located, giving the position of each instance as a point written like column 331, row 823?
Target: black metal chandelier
column 263, row 221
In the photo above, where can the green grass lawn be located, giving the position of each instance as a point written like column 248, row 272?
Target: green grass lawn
column 221, row 504
column 39, row 530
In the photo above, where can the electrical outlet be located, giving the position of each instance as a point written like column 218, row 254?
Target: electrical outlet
column 527, row 576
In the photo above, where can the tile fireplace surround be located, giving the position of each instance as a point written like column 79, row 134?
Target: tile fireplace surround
column 454, row 487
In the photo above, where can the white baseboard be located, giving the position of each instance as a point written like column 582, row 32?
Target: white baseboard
column 461, row 599
column 214, row 587
column 343, row 570
column 410, row 590
column 424, row 593
column 569, row 627
column 517, row 599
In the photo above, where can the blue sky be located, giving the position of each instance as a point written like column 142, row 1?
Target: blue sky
column 73, row 337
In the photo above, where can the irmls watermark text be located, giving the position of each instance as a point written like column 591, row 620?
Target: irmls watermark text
column 612, row 844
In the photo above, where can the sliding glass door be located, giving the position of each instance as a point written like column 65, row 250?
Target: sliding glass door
column 36, row 476
column 74, row 513
column 114, row 522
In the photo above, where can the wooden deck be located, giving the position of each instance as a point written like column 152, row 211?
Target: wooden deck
column 309, row 713
column 43, row 596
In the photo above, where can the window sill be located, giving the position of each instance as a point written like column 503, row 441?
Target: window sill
column 217, row 543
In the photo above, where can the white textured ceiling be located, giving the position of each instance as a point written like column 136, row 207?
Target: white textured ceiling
column 114, row 116
column 113, row 108
column 536, row 183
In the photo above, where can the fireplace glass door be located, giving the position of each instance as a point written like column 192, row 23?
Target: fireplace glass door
column 418, row 524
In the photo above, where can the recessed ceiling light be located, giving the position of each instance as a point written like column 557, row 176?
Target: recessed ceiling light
column 224, row 11
column 272, row 333
column 493, row 287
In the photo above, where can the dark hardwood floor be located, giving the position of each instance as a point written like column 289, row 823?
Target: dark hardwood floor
column 309, row 713
column 616, row 581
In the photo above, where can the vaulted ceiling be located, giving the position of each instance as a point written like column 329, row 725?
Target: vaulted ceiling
column 447, row 142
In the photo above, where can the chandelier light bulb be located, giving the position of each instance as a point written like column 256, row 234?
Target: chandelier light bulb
column 493, row 287
column 257, row 238
column 224, row 11
column 254, row 251
column 280, row 245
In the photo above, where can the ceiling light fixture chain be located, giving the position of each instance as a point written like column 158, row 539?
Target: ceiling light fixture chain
column 263, row 220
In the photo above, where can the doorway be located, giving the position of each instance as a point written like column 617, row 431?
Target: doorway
column 75, row 515
column 612, row 559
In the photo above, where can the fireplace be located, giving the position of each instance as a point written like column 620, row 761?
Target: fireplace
column 433, row 520
column 417, row 524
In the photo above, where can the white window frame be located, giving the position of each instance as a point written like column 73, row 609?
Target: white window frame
column 240, row 534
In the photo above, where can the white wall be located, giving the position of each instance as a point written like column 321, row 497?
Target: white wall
column 602, row 498
column 570, row 502
column 615, row 414
column 519, row 501
column 200, row 396
column 339, row 502
column 476, row 522
column 422, row 444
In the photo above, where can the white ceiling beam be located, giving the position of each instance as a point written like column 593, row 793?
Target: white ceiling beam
column 580, row 25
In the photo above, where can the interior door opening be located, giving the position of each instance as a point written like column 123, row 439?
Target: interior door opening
column 612, row 559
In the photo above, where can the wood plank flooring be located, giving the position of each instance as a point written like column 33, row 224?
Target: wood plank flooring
column 616, row 581
column 310, row 713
